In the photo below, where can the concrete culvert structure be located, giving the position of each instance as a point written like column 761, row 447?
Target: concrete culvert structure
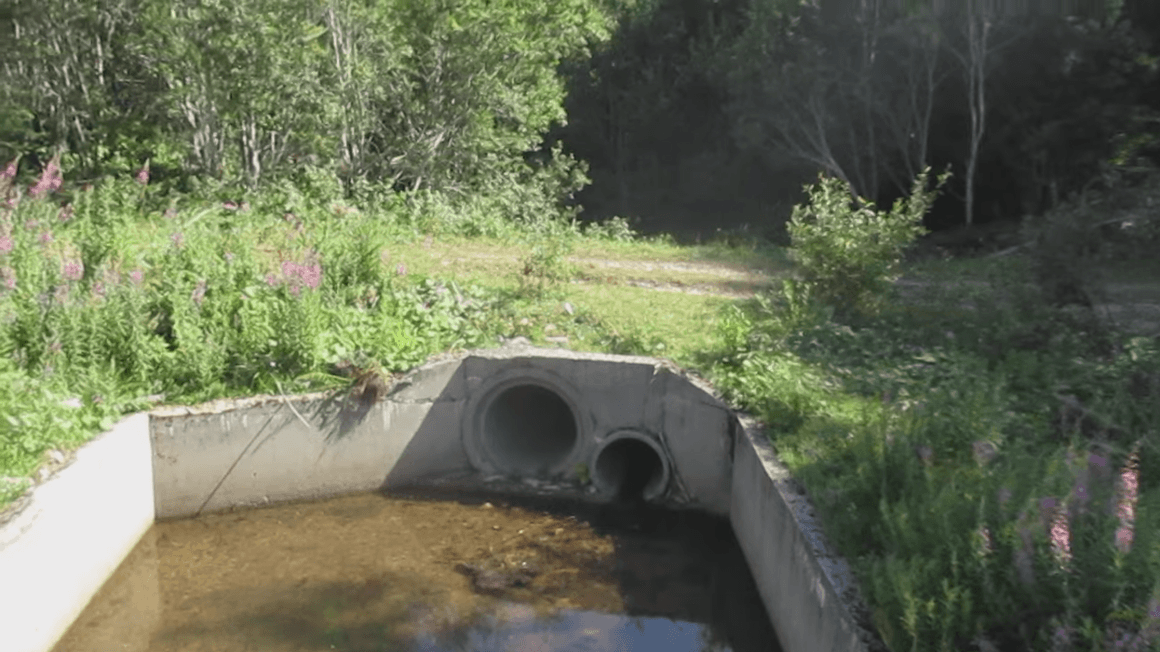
column 528, row 428
column 518, row 420
column 630, row 466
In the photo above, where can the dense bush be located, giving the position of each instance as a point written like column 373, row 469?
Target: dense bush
column 848, row 252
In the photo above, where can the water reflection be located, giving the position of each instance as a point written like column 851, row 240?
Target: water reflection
column 374, row 573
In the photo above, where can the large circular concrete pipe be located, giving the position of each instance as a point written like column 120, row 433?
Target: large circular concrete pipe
column 527, row 428
column 629, row 466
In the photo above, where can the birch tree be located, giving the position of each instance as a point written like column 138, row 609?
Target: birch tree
column 972, row 42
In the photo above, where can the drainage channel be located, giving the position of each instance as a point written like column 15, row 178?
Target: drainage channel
column 277, row 522
column 374, row 572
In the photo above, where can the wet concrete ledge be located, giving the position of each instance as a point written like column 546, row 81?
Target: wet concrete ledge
column 457, row 422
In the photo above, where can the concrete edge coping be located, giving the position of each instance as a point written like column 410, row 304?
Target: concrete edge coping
column 838, row 577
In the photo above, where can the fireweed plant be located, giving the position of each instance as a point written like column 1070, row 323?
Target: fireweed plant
column 993, row 477
column 102, row 306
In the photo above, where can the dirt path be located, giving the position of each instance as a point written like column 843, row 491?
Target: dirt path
column 700, row 278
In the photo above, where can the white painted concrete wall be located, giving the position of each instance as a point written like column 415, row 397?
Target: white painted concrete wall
column 58, row 551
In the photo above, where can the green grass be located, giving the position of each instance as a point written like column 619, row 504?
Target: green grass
column 924, row 430
column 928, row 436
column 212, row 301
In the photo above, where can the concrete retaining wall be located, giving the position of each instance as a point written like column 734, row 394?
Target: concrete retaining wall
column 77, row 528
column 809, row 592
column 427, row 430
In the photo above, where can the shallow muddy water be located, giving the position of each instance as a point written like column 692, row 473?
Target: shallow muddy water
column 373, row 573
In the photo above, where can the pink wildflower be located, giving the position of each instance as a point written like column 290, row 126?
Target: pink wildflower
column 31, row 225
column 1129, row 485
column 98, row 289
column 198, row 294
column 46, row 238
column 170, row 213
column 143, row 175
column 1061, row 536
column 137, row 276
column 6, row 244
column 311, row 275
column 9, row 171
column 177, row 239
column 401, row 269
column 66, row 213
column 49, row 181
column 271, row 280
column 73, row 270
column 9, row 276
column 229, row 206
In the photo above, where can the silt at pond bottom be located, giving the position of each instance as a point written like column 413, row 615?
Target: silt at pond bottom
column 377, row 572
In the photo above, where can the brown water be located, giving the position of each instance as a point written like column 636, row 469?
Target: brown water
column 378, row 573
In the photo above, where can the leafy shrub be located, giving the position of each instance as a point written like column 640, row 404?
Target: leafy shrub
column 616, row 229
column 849, row 254
column 545, row 266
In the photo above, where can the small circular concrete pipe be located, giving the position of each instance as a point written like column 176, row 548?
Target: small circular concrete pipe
column 629, row 465
column 527, row 427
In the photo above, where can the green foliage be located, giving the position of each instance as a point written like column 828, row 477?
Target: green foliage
column 108, row 305
column 849, row 254
column 616, row 229
column 935, row 447
column 546, row 267
column 404, row 95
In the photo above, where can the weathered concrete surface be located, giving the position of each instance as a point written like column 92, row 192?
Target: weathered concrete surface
column 58, row 551
column 274, row 449
column 809, row 592
column 428, row 430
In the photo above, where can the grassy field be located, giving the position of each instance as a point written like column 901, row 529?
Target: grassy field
column 988, row 464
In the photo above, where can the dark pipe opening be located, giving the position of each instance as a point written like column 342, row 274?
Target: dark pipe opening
column 529, row 429
column 631, row 468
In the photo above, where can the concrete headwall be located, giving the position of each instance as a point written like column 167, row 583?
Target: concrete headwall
column 432, row 427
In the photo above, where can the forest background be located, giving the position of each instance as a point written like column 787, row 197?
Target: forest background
column 683, row 116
